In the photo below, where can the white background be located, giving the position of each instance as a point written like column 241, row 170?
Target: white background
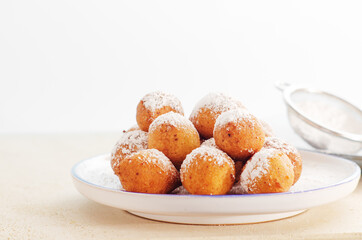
column 82, row 66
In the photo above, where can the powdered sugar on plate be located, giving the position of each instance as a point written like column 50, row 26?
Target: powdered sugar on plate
column 217, row 103
column 157, row 100
column 99, row 172
column 171, row 119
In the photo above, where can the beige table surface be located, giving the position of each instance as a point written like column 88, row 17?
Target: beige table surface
column 38, row 201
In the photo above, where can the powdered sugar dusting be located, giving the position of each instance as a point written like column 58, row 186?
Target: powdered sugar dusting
column 173, row 119
column 130, row 142
column 210, row 143
column 155, row 157
column 215, row 155
column 276, row 143
column 217, row 103
column 235, row 116
column 256, row 167
column 157, row 100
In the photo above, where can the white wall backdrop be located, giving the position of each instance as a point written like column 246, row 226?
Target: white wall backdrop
column 75, row 66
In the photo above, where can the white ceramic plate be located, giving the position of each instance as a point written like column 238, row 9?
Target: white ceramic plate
column 324, row 179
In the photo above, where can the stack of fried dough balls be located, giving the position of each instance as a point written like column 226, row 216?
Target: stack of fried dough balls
column 208, row 109
column 220, row 148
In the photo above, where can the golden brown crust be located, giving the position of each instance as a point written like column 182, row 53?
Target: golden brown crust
column 147, row 172
column 204, row 122
column 174, row 141
column 240, row 139
column 209, row 172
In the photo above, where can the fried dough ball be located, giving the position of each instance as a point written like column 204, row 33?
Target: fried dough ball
column 155, row 104
column 207, row 171
column 208, row 109
column 268, row 171
column 130, row 142
column 290, row 151
column 148, row 171
column 174, row 135
column 268, row 131
column 239, row 134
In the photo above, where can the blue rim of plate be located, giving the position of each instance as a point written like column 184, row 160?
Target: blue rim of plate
column 356, row 174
